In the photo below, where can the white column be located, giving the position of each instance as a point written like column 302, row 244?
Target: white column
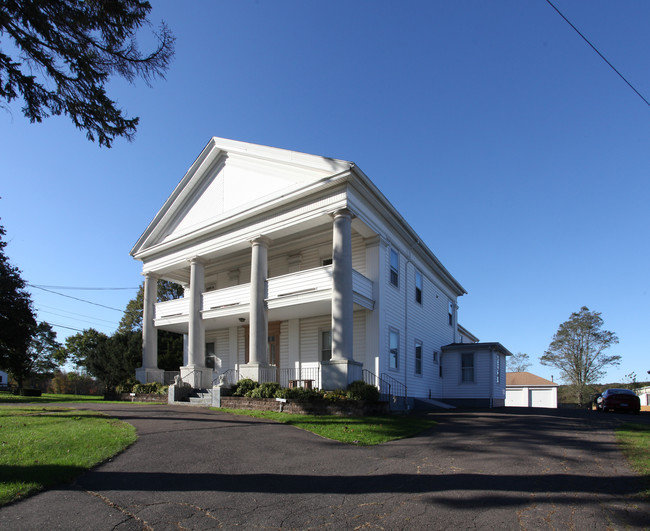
column 342, row 306
column 196, row 332
column 149, row 331
column 258, row 338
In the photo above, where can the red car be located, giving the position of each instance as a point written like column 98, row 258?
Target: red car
column 620, row 400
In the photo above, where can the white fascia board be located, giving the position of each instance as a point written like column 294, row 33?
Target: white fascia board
column 397, row 221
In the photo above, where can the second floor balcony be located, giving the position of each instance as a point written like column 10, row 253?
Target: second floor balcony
column 294, row 295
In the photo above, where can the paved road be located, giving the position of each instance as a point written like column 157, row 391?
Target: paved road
column 197, row 469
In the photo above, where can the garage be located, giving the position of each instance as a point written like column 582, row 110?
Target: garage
column 524, row 389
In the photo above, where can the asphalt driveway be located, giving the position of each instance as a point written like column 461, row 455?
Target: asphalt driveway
column 197, row 469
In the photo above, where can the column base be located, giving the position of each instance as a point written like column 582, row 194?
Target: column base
column 338, row 374
column 146, row 375
column 197, row 377
column 258, row 372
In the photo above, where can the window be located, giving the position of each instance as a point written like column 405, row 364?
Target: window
column 326, row 345
column 418, row 287
column 210, row 357
column 498, row 368
column 467, row 367
column 326, row 261
column 394, row 268
column 393, row 358
column 451, row 313
column 435, row 356
column 418, row 357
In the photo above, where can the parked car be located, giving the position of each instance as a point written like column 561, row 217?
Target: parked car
column 620, row 400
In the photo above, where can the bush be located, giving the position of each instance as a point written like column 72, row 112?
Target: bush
column 245, row 386
column 127, row 387
column 266, row 390
column 153, row 388
column 337, row 394
column 299, row 393
column 360, row 390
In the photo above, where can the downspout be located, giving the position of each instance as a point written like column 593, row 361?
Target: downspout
column 491, row 378
column 406, row 330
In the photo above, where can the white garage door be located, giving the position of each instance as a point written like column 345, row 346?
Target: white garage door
column 542, row 398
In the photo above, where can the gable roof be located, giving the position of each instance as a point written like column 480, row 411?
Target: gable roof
column 526, row 379
column 283, row 171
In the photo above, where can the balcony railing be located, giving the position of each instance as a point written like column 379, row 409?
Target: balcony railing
column 284, row 290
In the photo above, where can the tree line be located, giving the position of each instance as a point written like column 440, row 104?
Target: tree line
column 29, row 349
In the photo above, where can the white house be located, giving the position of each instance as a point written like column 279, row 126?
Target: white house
column 4, row 379
column 524, row 389
column 296, row 267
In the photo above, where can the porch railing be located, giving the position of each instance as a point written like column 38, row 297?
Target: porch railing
column 390, row 389
column 229, row 377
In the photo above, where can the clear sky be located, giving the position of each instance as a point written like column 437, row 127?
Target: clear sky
column 516, row 153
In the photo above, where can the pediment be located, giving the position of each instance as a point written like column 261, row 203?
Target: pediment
column 230, row 177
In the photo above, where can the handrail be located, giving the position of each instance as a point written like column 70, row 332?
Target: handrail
column 226, row 377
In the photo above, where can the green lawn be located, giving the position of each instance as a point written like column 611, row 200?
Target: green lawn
column 44, row 446
column 635, row 443
column 7, row 397
column 362, row 431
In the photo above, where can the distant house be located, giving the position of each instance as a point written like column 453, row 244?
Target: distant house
column 4, row 379
column 297, row 269
column 524, row 389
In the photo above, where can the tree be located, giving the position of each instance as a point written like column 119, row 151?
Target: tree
column 519, row 362
column 17, row 321
column 43, row 356
column 115, row 360
column 80, row 346
column 67, row 51
column 578, row 351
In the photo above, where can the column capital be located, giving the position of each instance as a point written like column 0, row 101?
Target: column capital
column 342, row 212
column 197, row 260
column 261, row 240
column 151, row 275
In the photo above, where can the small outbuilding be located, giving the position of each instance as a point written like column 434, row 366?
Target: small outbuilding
column 524, row 389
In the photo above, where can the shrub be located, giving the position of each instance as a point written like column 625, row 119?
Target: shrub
column 153, row 388
column 29, row 392
column 127, row 387
column 360, row 390
column 300, row 394
column 244, row 386
column 266, row 390
column 337, row 394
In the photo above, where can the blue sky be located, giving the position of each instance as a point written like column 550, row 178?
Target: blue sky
column 516, row 153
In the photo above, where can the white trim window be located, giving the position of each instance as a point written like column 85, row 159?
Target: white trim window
column 418, row 287
column 418, row 358
column 325, row 340
column 394, row 268
column 467, row 367
column 393, row 353
column 450, row 312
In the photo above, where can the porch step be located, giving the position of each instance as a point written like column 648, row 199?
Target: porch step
column 201, row 397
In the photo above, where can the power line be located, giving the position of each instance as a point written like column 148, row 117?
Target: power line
column 86, row 318
column 68, row 327
column 75, row 298
column 600, row 54
column 70, row 313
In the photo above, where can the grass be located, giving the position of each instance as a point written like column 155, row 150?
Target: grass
column 362, row 431
column 48, row 398
column 635, row 444
column 41, row 446
column 7, row 397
